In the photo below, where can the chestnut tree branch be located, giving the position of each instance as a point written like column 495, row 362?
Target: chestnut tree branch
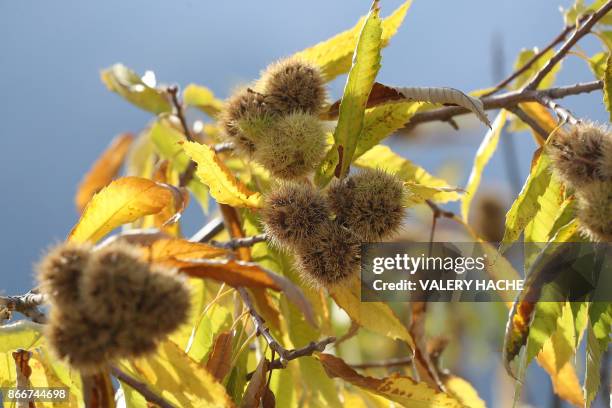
column 26, row 304
column 505, row 100
column 239, row 242
column 582, row 30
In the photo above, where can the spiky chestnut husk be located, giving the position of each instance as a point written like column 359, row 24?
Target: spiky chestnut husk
column 582, row 155
column 59, row 273
column 123, row 291
column 595, row 210
column 292, row 85
column 293, row 213
column 292, row 146
column 330, row 257
column 89, row 345
column 490, row 218
column 368, row 203
column 244, row 105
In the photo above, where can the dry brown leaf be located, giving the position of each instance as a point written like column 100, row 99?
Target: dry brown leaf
column 257, row 386
column 402, row 390
column 219, row 361
column 103, row 170
column 176, row 251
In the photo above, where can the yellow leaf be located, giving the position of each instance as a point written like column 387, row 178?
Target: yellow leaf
column 124, row 200
column 22, row 334
column 224, row 187
column 202, row 98
column 366, row 63
column 403, row 390
column 422, row 184
column 564, row 379
column 127, row 83
column 171, row 251
column 104, row 170
column 463, row 391
column 375, row 316
column 483, row 155
column 334, row 55
column 171, row 374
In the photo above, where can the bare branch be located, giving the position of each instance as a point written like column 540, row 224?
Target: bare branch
column 178, row 111
column 224, row 147
column 208, row 231
column 239, row 242
column 308, row 350
column 504, row 100
column 141, row 387
column 564, row 114
column 580, row 32
column 26, row 304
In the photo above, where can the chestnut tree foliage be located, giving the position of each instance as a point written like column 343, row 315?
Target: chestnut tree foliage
column 245, row 313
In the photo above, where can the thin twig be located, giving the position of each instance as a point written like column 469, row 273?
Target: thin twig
column 522, row 115
column 208, row 231
column 529, row 63
column 26, row 304
column 239, row 242
column 564, row 114
column 395, row 362
column 141, row 388
column 224, row 147
column 580, row 32
column 308, row 350
column 178, row 111
column 504, row 100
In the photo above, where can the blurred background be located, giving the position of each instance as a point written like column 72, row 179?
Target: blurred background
column 56, row 116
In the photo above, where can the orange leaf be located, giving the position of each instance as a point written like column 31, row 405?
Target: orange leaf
column 122, row 201
column 173, row 250
column 103, row 170
column 234, row 273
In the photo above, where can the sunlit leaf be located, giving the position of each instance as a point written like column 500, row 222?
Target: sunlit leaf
column 202, row 98
column 171, row 251
column 382, row 157
column 366, row 63
column 104, row 169
column 375, row 316
column 124, row 200
column 334, row 55
column 483, row 155
column 572, row 14
column 526, row 55
column 403, row 390
column 22, row 334
column 224, row 187
column 128, row 84
column 212, row 321
column 171, row 374
column 607, row 89
column 526, row 205
column 598, row 338
column 463, row 391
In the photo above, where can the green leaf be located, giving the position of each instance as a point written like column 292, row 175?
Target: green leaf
column 382, row 157
column 334, row 55
column 526, row 205
column 543, row 325
column 608, row 85
column 128, row 84
column 361, row 77
column 598, row 64
column 202, row 98
column 483, row 155
column 216, row 319
column 526, row 55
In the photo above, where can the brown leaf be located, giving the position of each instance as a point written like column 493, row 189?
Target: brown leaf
column 380, row 94
column 234, row 273
column 257, row 386
column 219, row 361
column 103, row 170
column 403, row 390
